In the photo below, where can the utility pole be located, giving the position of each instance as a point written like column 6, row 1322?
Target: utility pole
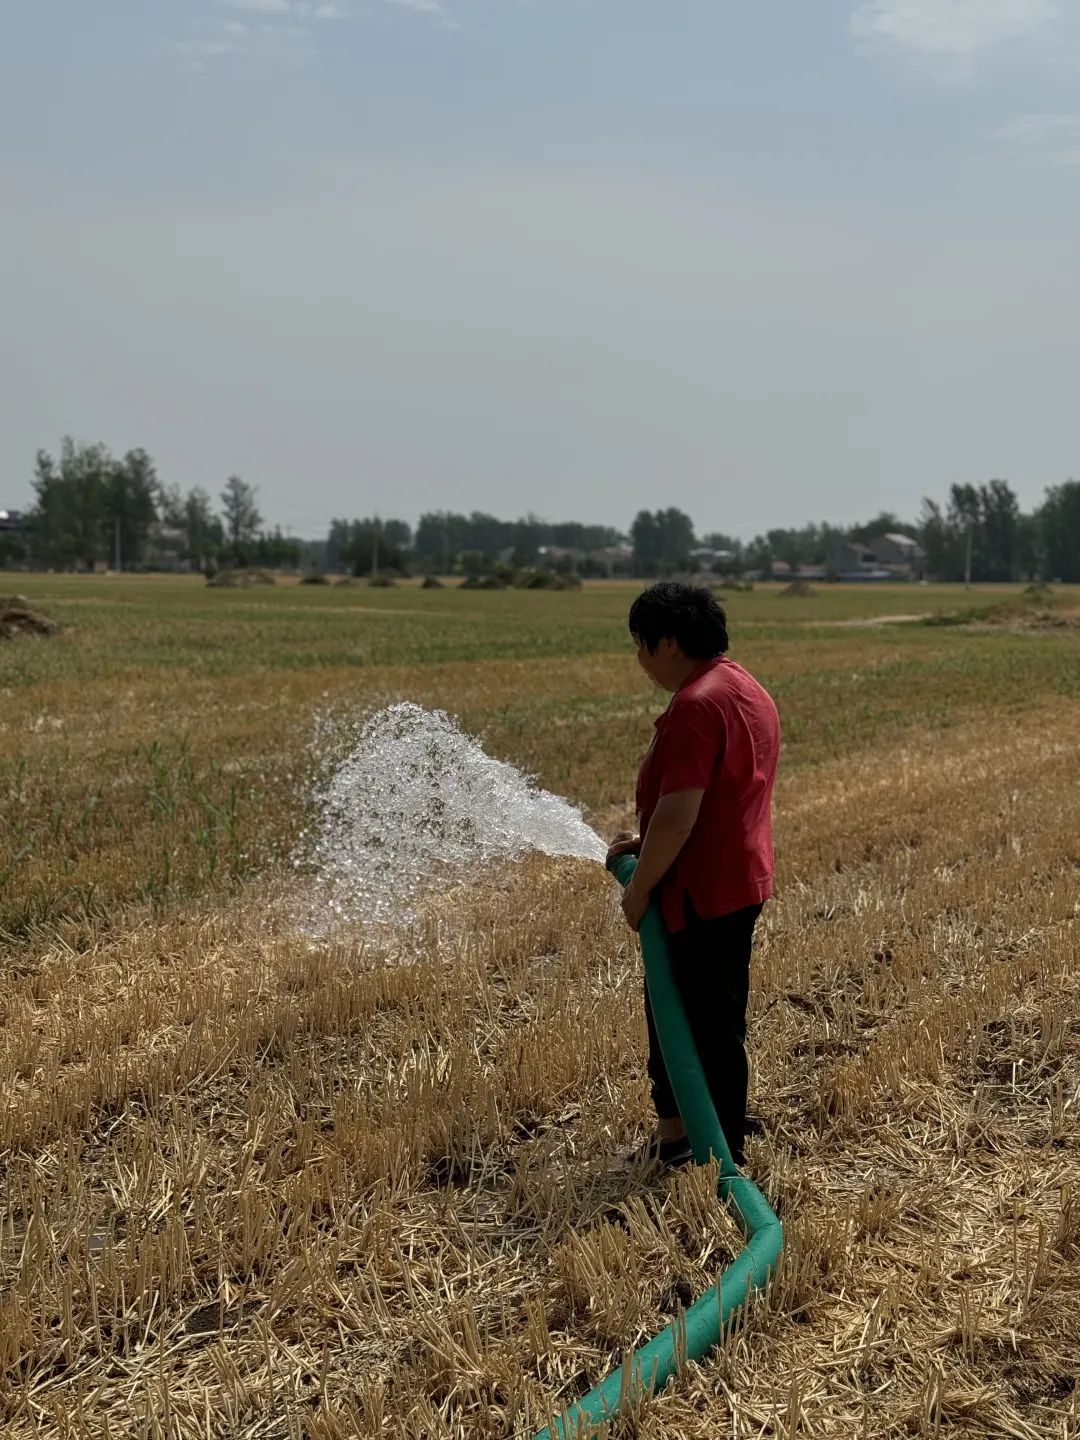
column 118, row 554
column 967, row 554
column 374, row 550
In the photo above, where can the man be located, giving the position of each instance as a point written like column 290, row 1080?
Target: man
column 704, row 846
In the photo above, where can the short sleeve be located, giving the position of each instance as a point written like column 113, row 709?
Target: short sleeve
column 690, row 744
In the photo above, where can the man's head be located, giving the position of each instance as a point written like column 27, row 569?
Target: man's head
column 675, row 628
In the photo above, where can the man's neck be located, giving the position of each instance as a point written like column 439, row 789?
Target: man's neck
column 680, row 675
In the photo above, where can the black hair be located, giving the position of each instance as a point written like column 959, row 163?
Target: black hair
column 689, row 614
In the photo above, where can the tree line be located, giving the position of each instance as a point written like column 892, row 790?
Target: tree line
column 476, row 544
column 92, row 508
column 978, row 532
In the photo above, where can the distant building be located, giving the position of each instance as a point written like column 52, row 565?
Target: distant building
column 559, row 552
column 782, row 570
column 14, row 532
column 167, row 548
column 850, row 556
column 899, row 550
column 888, row 557
column 612, row 560
column 707, row 558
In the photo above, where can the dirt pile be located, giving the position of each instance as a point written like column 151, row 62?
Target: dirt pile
column 240, row 579
column 1037, row 607
column 18, row 617
column 431, row 582
column 546, row 580
column 799, row 590
column 483, row 582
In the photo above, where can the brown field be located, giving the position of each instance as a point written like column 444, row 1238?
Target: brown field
column 256, row 1189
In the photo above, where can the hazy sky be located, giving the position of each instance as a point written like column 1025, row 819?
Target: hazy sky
column 769, row 260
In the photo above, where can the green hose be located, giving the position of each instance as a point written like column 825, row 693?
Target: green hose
column 695, row 1332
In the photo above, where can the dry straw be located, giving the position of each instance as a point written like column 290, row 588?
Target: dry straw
column 255, row 1189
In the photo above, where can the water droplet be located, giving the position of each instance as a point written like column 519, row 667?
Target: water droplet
column 416, row 806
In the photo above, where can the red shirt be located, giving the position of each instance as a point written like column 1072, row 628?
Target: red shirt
column 720, row 733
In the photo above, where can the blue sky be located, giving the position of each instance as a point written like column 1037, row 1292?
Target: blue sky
column 768, row 261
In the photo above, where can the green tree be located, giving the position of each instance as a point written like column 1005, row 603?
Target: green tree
column 758, row 555
column 204, row 535
column 364, row 547
column 964, row 516
column 1059, row 532
column 441, row 536
column 999, row 531
column 883, row 523
column 444, row 538
column 676, row 538
column 1028, row 546
column 788, row 546
column 573, row 535
column 14, row 545
column 170, row 505
column 939, row 542
column 489, row 535
column 717, row 540
column 242, row 518
column 275, row 551
column 646, row 541
column 67, row 520
column 129, row 507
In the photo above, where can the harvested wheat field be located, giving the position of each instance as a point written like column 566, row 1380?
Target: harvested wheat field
column 256, row 1186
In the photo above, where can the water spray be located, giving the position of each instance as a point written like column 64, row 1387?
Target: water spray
column 416, row 806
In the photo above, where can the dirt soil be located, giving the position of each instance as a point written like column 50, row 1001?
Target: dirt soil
column 232, row 579
column 18, row 617
column 798, row 589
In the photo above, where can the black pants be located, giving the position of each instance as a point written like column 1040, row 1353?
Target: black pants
column 710, row 963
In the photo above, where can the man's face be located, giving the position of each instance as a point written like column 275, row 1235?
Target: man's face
column 658, row 664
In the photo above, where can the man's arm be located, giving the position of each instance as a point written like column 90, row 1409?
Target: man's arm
column 669, row 829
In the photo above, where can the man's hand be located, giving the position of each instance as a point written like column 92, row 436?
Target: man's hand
column 625, row 843
column 635, row 901
column 668, row 831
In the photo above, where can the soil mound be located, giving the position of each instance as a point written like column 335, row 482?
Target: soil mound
column 1031, row 611
column 240, row 579
column 18, row 617
column 546, row 580
column 483, row 582
column 1035, row 608
column 1039, row 594
column 799, row 590
column 431, row 582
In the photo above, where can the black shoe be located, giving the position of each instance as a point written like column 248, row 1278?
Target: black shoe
column 671, row 1154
